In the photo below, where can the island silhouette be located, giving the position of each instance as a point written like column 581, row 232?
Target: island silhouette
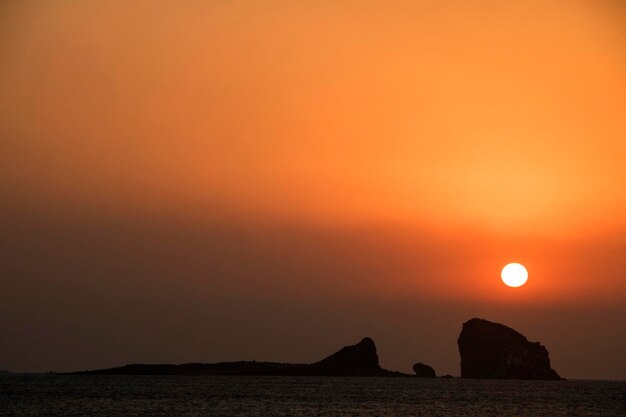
column 493, row 350
column 487, row 350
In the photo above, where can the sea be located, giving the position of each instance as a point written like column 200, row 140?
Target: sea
column 127, row 395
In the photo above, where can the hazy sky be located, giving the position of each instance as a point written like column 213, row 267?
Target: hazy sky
column 211, row 181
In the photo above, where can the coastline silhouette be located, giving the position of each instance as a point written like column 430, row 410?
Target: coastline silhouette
column 487, row 349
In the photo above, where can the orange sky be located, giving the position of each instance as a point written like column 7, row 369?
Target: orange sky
column 401, row 150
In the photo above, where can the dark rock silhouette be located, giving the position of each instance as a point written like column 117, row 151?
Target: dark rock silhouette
column 493, row 350
column 362, row 355
column 488, row 350
column 423, row 371
column 355, row 360
column 446, row 376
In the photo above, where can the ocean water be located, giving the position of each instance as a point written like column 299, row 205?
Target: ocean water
column 110, row 396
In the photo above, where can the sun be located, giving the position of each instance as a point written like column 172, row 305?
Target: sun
column 514, row 275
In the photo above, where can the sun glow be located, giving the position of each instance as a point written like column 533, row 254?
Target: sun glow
column 514, row 275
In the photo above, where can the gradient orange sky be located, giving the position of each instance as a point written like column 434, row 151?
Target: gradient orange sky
column 359, row 168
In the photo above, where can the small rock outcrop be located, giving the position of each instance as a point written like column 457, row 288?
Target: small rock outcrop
column 493, row 350
column 423, row 371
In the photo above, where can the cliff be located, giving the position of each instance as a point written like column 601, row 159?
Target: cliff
column 493, row 350
column 359, row 358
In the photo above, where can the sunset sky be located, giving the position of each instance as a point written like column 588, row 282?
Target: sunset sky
column 196, row 181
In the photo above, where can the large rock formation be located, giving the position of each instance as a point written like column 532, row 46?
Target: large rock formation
column 423, row 371
column 493, row 350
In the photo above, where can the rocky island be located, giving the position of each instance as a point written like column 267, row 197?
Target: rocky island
column 354, row 360
column 493, row 350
